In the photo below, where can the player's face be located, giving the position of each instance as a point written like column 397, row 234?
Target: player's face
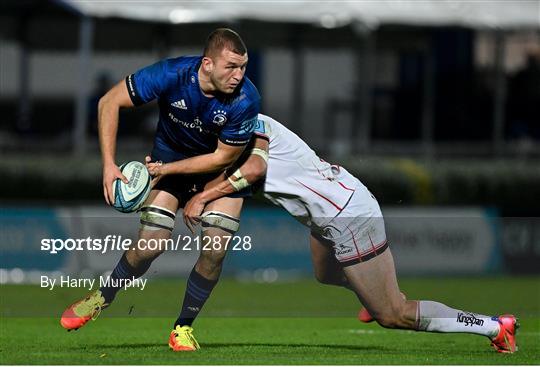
column 228, row 70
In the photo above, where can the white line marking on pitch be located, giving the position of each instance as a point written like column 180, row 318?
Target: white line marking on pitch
column 363, row 331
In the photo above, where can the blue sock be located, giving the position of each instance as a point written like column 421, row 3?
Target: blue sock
column 123, row 270
column 197, row 292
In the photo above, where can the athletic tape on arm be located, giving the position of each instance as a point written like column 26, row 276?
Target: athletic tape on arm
column 261, row 153
column 240, row 183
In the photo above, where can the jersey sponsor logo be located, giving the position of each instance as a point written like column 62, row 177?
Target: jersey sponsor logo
column 130, row 85
column 196, row 124
column 469, row 319
column 220, row 117
column 181, row 104
column 260, row 127
column 235, row 142
column 263, row 129
column 248, row 126
column 342, row 250
column 132, row 90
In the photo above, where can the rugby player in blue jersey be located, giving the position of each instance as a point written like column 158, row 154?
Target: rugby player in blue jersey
column 207, row 114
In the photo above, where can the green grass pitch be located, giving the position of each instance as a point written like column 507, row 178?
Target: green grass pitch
column 298, row 322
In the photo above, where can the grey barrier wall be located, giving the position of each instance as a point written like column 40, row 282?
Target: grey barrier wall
column 424, row 240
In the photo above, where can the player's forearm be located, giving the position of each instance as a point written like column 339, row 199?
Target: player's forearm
column 222, row 189
column 206, row 163
column 107, row 128
column 252, row 170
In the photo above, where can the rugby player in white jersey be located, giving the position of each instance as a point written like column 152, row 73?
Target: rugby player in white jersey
column 346, row 223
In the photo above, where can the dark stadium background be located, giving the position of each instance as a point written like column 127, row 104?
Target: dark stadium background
column 441, row 121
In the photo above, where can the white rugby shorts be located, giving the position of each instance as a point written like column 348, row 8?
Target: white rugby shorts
column 357, row 234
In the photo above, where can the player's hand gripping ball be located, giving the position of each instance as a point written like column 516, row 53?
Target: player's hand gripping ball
column 130, row 197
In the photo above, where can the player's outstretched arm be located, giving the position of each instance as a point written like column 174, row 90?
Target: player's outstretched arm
column 223, row 157
column 108, row 109
column 252, row 170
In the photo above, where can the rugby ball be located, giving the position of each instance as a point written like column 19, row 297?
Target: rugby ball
column 130, row 197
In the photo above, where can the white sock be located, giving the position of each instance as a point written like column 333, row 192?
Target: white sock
column 436, row 317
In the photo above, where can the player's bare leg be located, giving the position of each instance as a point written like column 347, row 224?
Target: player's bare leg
column 210, row 261
column 160, row 208
column 376, row 285
column 329, row 271
column 139, row 256
column 218, row 228
column 325, row 266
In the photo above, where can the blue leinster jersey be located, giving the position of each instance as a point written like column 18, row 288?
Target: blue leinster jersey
column 189, row 122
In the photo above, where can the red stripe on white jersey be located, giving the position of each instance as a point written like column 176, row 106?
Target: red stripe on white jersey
column 345, row 187
column 321, row 195
column 354, row 241
column 373, row 246
column 363, row 254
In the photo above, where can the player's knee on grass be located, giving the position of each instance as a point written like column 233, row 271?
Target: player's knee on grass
column 393, row 316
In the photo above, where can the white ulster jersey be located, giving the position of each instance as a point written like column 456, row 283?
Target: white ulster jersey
column 310, row 189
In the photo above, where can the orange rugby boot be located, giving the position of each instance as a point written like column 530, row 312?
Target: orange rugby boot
column 505, row 341
column 182, row 339
column 79, row 313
